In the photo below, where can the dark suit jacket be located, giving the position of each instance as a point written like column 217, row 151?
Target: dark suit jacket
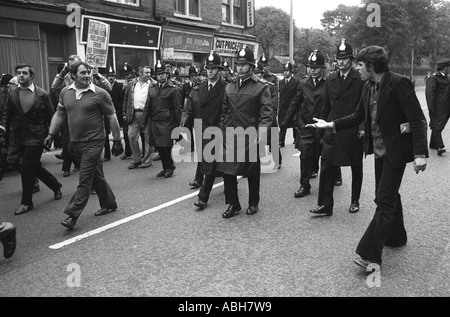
column 29, row 128
column 343, row 148
column 287, row 93
column 397, row 104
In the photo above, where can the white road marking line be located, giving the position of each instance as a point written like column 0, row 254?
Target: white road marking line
column 128, row 219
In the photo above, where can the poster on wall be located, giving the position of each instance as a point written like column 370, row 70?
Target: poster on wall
column 97, row 43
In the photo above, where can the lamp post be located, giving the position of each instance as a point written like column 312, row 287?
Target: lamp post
column 291, row 36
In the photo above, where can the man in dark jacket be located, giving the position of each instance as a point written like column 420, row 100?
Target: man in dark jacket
column 438, row 100
column 247, row 106
column 344, row 148
column 288, row 89
column 306, row 105
column 163, row 110
column 396, row 133
column 205, row 105
column 28, row 111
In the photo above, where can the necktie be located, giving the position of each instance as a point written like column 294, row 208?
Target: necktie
column 210, row 86
column 316, row 81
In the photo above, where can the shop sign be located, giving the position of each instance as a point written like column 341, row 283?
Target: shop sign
column 230, row 47
column 182, row 41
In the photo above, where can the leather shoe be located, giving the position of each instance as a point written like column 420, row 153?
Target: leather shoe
column 231, row 211
column 125, row 157
column 58, row 194
column 9, row 240
column 59, row 156
column 106, row 159
column 251, row 210
column 354, row 207
column 134, row 165
column 66, row 174
column 105, row 211
column 322, row 211
column 161, row 174
column 363, row 262
column 157, row 157
column 194, row 184
column 36, row 188
column 200, row 204
column 440, row 151
column 69, row 222
column 169, row 172
column 301, row 192
column 76, row 169
column 313, row 175
column 23, row 209
column 338, row 182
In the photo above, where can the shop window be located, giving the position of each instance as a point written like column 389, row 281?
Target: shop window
column 7, row 27
column 27, row 30
column 188, row 7
column 232, row 12
column 134, row 3
column 135, row 57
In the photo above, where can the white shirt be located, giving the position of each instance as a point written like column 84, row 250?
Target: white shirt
column 79, row 92
column 140, row 94
column 31, row 87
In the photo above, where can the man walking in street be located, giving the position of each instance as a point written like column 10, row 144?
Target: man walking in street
column 306, row 105
column 396, row 133
column 437, row 93
column 344, row 148
column 86, row 106
column 163, row 114
column 247, row 105
column 288, row 89
column 28, row 113
column 136, row 94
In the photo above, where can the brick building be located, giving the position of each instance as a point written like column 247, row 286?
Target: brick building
column 180, row 32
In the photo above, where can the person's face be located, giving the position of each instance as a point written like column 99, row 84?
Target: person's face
column 111, row 78
column 202, row 78
column 161, row 78
column 24, row 76
column 365, row 72
column 287, row 74
column 194, row 78
column 344, row 64
column 82, row 77
column 212, row 74
column 145, row 74
column 243, row 69
column 316, row 72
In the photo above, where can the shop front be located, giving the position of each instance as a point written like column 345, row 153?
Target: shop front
column 227, row 48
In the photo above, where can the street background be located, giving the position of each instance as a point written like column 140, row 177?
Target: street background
column 176, row 251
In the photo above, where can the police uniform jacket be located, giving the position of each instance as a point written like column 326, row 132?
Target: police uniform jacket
column 207, row 106
column 163, row 111
column 343, row 148
column 287, row 93
column 397, row 104
column 29, row 128
column 306, row 105
column 273, row 79
column 437, row 93
column 245, row 106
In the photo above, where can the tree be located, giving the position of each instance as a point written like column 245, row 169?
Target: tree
column 333, row 20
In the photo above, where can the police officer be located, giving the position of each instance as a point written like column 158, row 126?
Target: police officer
column 288, row 88
column 306, row 105
column 343, row 91
column 226, row 72
column 437, row 94
column 247, row 105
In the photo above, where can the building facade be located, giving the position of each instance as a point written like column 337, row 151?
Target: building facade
column 44, row 33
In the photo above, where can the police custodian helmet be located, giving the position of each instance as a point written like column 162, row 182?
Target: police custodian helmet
column 213, row 61
column 344, row 50
column 246, row 56
column 316, row 60
column 288, row 67
column 160, row 68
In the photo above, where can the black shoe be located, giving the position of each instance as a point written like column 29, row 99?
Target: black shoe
column 105, row 211
column 322, row 211
column 157, row 157
column 106, row 159
column 23, row 209
column 169, row 172
column 9, row 241
column 440, row 151
column 354, row 207
column 59, row 156
column 338, row 182
column 36, row 188
column 125, row 157
column 313, row 175
column 66, row 174
column 200, row 204
column 281, row 144
column 231, row 211
column 76, row 169
column 302, row 192
column 134, row 165
column 394, row 245
column 363, row 262
column 69, row 222
column 251, row 210
column 58, row 194
column 194, row 184
column 161, row 174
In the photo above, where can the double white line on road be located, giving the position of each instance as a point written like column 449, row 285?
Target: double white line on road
column 125, row 220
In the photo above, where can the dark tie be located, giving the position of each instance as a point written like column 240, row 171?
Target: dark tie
column 316, row 82
column 210, row 86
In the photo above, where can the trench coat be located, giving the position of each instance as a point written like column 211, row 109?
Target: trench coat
column 437, row 93
column 245, row 106
column 287, row 93
column 163, row 111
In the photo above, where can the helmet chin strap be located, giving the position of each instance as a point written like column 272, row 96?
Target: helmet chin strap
column 346, row 65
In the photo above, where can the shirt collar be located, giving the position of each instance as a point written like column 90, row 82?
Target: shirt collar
column 90, row 87
column 31, row 87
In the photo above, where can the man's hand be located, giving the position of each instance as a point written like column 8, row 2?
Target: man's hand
column 117, row 148
column 48, row 142
column 420, row 164
column 361, row 134
column 320, row 124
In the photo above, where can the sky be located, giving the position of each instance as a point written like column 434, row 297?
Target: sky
column 306, row 13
